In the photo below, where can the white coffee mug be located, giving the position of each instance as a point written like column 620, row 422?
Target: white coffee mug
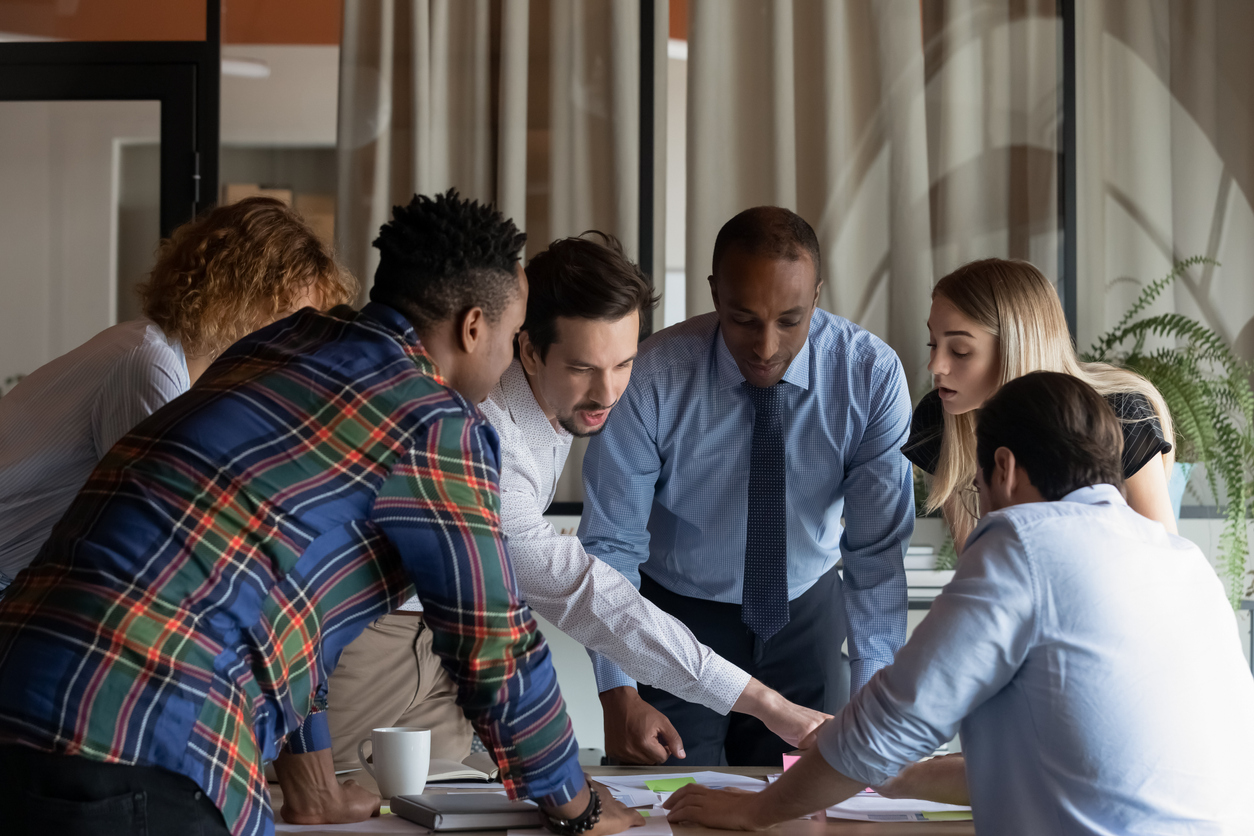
column 401, row 758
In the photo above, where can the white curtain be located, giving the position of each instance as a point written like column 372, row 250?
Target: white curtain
column 531, row 104
column 918, row 136
column 912, row 136
column 1166, row 164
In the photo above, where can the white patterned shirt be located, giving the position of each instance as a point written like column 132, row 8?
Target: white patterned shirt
column 584, row 597
column 58, row 423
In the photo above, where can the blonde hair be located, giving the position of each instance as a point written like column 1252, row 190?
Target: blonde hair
column 1014, row 302
column 238, row 268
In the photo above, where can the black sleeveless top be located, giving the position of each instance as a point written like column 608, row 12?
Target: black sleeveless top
column 1142, row 434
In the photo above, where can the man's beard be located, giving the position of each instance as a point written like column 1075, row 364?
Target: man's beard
column 567, row 422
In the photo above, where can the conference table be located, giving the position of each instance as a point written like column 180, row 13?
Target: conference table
column 799, row 827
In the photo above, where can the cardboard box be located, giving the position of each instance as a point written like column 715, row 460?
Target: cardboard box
column 318, row 210
column 235, row 192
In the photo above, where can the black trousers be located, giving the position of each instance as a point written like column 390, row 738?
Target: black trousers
column 802, row 661
column 70, row 796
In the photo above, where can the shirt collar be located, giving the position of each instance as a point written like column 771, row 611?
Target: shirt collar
column 525, row 409
column 401, row 328
column 1096, row 495
column 729, row 375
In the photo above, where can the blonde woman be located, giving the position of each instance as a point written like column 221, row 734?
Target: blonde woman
column 231, row 271
column 991, row 322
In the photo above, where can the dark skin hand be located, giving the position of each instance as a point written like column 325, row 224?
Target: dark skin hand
column 312, row 795
column 636, row 732
column 615, row 816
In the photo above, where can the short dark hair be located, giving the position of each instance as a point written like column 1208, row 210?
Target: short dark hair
column 444, row 255
column 583, row 279
column 768, row 232
column 1062, row 432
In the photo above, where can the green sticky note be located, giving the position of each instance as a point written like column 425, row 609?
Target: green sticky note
column 644, row 813
column 669, row 784
column 947, row 815
column 385, row 810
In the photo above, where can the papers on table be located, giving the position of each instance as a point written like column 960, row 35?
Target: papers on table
column 672, row 781
column 635, row 798
column 871, row 806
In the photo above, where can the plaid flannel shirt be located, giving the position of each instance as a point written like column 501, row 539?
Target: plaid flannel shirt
column 187, row 611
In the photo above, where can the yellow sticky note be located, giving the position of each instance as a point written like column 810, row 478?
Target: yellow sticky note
column 947, row 815
column 669, row 784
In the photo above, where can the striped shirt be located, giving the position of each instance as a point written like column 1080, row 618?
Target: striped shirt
column 666, row 483
column 60, row 421
column 187, row 611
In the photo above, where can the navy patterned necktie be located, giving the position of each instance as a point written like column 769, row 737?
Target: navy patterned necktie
column 764, row 596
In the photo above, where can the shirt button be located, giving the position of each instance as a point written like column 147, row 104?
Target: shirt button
column 199, row 795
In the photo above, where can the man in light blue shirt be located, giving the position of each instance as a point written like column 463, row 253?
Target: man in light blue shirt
column 1091, row 658
column 752, row 449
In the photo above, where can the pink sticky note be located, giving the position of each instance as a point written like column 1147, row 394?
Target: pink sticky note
column 789, row 760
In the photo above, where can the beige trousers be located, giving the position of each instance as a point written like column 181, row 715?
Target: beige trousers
column 390, row 676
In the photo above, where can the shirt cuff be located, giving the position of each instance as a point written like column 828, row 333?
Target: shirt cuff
column 559, row 786
column 312, row 736
column 608, row 674
column 722, row 681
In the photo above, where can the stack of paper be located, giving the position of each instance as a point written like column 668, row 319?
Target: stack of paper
column 665, row 784
column 926, row 585
column 871, row 806
column 920, row 557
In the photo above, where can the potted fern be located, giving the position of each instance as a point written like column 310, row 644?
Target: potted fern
column 1207, row 388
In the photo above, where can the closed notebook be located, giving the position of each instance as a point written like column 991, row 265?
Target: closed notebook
column 465, row 811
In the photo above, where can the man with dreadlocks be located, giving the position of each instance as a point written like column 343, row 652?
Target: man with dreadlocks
column 181, row 623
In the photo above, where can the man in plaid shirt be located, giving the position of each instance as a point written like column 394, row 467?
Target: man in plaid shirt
column 183, row 618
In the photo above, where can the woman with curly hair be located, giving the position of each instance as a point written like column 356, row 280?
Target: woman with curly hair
column 231, row 271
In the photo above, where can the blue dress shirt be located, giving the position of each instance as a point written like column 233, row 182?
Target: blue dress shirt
column 665, row 485
column 1095, row 666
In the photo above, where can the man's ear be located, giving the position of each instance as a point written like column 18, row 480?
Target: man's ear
column 1004, row 476
column 528, row 354
column 471, row 330
column 714, row 291
column 818, row 288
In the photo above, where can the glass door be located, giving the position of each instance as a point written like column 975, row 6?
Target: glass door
column 106, row 145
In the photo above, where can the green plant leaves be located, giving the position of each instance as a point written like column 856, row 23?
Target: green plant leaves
column 1207, row 388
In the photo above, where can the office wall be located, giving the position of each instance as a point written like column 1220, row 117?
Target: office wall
column 58, row 224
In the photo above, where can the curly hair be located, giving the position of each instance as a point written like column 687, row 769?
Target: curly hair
column 235, row 269
column 444, row 255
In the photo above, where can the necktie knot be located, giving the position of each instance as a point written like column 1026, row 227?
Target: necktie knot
column 766, row 398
